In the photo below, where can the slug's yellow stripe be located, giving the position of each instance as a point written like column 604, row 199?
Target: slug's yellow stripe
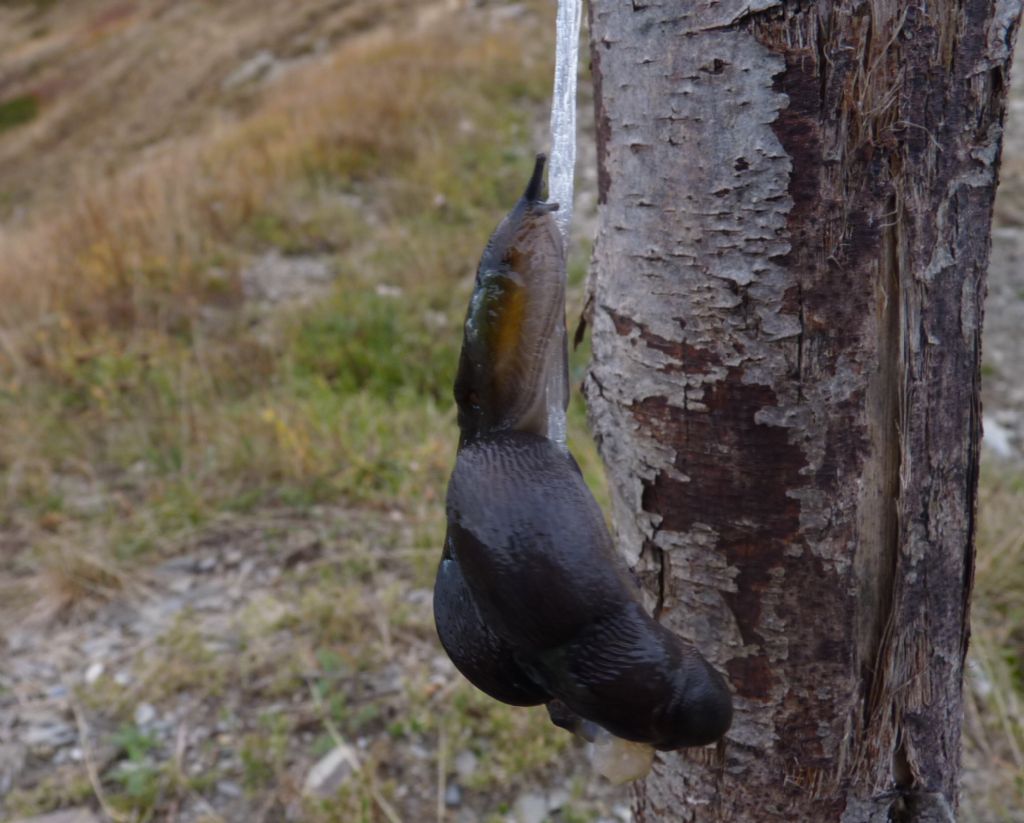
column 507, row 326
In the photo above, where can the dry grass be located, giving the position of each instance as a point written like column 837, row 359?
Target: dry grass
column 123, row 329
column 142, row 396
column 68, row 580
column 70, row 575
column 136, row 252
column 994, row 728
column 119, row 78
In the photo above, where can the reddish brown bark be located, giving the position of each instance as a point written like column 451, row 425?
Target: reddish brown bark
column 788, row 282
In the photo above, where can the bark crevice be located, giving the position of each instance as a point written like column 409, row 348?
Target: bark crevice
column 786, row 326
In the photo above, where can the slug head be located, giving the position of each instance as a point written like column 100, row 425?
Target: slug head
column 514, row 331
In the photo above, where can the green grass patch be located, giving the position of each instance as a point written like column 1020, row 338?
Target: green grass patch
column 17, row 111
column 386, row 346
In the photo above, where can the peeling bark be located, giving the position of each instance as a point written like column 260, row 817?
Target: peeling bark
column 787, row 300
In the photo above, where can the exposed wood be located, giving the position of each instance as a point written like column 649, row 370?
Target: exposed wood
column 787, row 289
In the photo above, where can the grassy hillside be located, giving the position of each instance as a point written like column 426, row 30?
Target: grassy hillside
column 129, row 339
column 173, row 382
column 237, row 243
column 99, row 81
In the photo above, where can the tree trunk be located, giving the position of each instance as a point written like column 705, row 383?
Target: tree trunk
column 787, row 301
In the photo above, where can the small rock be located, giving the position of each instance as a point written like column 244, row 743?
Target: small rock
column 17, row 641
column 49, row 736
column 530, row 808
column 47, row 671
column 558, row 799
column 233, row 557
column 229, row 789
column 144, row 714
column 253, row 69
column 331, row 771
column 980, row 680
column 442, row 665
column 436, row 320
column 12, row 761
column 997, row 438
column 453, row 795
column 94, row 673
column 623, row 813
column 163, row 727
column 420, row 597
column 205, row 565
column 212, row 603
column 100, row 645
column 385, row 290
column 123, row 678
column 181, row 563
column 465, row 764
column 302, row 546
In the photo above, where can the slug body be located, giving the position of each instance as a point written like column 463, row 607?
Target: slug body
column 531, row 601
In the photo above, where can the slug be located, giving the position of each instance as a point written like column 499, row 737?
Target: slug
column 531, row 601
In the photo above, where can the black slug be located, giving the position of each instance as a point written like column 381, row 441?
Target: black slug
column 531, row 601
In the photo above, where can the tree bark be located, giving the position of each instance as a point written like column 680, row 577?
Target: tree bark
column 787, row 301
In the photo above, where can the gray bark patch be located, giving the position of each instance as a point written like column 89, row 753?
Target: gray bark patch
column 787, row 289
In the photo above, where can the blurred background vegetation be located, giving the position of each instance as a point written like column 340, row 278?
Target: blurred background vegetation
column 236, row 244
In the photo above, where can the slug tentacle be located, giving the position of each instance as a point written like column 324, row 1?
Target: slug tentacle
column 532, row 193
